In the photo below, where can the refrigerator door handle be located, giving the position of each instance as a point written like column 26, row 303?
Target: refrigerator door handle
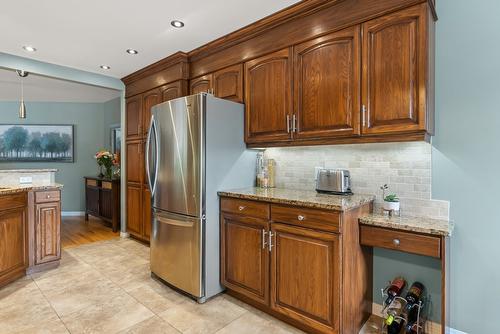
column 151, row 182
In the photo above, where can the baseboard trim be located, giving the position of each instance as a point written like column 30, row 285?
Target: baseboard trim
column 124, row 235
column 456, row 331
column 72, row 213
column 430, row 326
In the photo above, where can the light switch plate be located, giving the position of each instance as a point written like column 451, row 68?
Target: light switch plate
column 25, row 179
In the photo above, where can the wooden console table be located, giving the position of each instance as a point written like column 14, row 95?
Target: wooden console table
column 102, row 200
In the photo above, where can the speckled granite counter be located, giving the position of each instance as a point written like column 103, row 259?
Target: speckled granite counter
column 412, row 224
column 306, row 198
column 13, row 189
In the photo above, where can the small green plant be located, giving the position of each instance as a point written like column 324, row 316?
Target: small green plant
column 391, row 198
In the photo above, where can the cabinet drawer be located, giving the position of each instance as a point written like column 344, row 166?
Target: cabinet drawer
column 244, row 207
column 311, row 218
column 47, row 196
column 92, row 183
column 402, row 241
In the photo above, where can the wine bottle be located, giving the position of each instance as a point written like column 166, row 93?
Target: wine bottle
column 393, row 312
column 413, row 321
column 396, row 326
column 397, row 286
column 414, row 295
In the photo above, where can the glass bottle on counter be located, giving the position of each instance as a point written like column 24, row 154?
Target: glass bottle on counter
column 259, row 168
column 414, row 295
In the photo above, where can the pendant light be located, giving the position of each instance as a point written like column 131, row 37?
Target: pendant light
column 22, row 106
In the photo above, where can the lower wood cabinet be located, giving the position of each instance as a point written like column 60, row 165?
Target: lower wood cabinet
column 146, row 213
column 134, row 210
column 291, row 261
column 47, row 232
column 13, row 237
column 305, row 276
column 245, row 256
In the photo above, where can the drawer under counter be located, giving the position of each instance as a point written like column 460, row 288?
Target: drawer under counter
column 306, row 217
column 245, row 207
column 47, row 196
column 409, row 242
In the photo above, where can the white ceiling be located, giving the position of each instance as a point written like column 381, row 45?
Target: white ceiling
column 43, row 89
column 87, row 34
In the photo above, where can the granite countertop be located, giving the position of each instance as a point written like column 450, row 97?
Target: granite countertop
column 306, row 198
column 35, row 170
column 412, row 224
column 18, row 188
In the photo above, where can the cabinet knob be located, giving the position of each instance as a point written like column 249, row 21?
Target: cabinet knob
column 396, row 242
column 300, row 217
column 241, row 208
column 48, row 196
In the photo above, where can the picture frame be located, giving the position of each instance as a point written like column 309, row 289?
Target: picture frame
column 37, row 142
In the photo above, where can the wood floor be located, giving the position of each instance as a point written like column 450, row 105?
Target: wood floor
column 76, row 231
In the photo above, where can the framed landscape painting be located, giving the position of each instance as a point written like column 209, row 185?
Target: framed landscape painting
column 19, row 142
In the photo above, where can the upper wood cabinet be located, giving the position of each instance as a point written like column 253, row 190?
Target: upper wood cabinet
column 245, row 256
column 149, row 99
column 327, row 85
column 133, row 117
column 268, row 97
column 47, row 232
column 305, row 276
column 173, row 90
column 201, row 84
column 135, row 161
column 228, row 83
column 395, row 56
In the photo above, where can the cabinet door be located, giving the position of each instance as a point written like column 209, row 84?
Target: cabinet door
column 92, row 199
column 135, row 162
column 228, row 83
column 47, row 232
column 13, row 242
column 327, row 85
column 149, row 99
column 134, row 210
column 394, row 62
column 268, row 87
column 201, row 84
column 146, row 213
column 305, row 276
column 133, row 117
column 172, row 91
column 245, row 256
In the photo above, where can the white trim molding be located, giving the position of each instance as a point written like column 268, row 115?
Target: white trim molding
column 456, row 331
column 72, row 213
column 124, row 235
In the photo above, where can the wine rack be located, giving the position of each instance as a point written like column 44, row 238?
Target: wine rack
column 421, row 317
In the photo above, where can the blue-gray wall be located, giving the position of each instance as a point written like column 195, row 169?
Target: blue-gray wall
column 466, row 155
column 91, row 134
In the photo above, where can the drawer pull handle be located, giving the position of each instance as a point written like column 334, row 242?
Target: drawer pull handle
column 241, row 208
column 48, row 196
column 396, row 242
column 300, row 217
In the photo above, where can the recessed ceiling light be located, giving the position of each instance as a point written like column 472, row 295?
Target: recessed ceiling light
column 132, row 51
column 177, row 24
column 105, row 67
column 29, row 48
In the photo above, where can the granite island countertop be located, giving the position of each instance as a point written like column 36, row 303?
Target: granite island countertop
column 18, row 188
column 305, row 198
column 412, row 224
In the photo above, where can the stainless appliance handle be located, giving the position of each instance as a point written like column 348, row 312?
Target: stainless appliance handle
column 148, row 146
column 157, row 155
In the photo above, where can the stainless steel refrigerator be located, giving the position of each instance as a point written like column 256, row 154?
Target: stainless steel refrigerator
column 194, row 148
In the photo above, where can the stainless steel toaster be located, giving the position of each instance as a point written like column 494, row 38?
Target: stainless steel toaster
column 334, row 181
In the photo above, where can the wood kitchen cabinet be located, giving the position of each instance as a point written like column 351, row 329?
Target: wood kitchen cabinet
column 268, row 97
column 133, row 117
column 47, row 232
column 396, row 72
column 149, row 99
column 173, row 90
column 245, row 256
column 327, row 85
column 146, row 213
column 135, row 161
column 134, row 210
column 290, row 261
column 305, row 275
column 226, row 83
column 13, row 237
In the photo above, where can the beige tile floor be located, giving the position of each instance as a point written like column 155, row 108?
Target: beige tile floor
column 106, row 287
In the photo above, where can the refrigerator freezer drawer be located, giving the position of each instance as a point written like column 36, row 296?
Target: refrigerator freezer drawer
column 176, row 251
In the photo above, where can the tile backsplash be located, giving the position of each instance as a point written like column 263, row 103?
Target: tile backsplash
column 405, row 167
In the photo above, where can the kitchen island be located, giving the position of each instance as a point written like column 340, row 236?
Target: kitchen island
column 30, row 224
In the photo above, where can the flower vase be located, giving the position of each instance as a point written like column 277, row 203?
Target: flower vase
column 108, row 172
column 101, row 175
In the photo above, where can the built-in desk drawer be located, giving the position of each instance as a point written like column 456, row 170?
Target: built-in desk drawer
column 47, row 196
column 305, row 217
column 245, row 207
column 402, row 241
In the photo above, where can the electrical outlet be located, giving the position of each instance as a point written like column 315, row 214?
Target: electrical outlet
column 25, row 179
column 316, row 172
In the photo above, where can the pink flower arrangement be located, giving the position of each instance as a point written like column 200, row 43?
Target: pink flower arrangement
column 108, row 160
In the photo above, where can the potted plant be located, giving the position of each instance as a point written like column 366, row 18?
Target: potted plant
column 108, row 160
column 391, row 201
